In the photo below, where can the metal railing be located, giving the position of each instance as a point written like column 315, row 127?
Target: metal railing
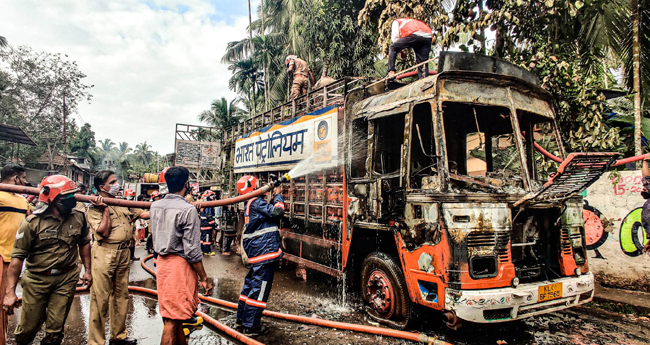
column 331, row 94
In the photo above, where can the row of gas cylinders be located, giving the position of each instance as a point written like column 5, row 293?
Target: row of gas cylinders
column 332, row 195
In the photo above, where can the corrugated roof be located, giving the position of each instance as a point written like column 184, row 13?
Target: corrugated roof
column 15, row 135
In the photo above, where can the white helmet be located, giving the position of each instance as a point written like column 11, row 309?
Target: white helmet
column 289, row 58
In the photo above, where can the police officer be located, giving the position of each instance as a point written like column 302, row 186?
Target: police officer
column 51, row 240
column 207, row 224
column 112, row 226
column 261, row 241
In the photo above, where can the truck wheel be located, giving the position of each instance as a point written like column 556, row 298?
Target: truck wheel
column 384, row 291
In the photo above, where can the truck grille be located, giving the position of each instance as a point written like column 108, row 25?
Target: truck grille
column 566, row 244
column 498, row 240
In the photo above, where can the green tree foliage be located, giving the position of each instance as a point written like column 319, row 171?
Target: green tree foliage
column 33, row 86
column 83, row 142
column 143, row 154
column 564, row 42
column 222, row 114
column 324, row 33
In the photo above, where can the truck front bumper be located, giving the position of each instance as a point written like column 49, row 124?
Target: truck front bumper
column 506, row 304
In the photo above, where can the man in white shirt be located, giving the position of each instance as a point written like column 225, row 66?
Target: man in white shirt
column 410, row 33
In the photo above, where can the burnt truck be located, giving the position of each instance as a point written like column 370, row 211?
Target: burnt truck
column 432, row 193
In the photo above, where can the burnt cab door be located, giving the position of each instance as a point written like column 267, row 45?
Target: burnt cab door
column 377, row 163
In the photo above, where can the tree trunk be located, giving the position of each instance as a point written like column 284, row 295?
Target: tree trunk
column 636, row 81
column 266, row 70
column 482, row 32
column 250, row 25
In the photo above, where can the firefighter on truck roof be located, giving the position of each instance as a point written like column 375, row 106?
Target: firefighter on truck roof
column 51, row 241
column 261, row 242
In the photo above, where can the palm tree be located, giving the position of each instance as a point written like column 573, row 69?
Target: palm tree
column 222, row 114
column 246, row 79
column 143, row 153
column 106, row 145
column 122, row 157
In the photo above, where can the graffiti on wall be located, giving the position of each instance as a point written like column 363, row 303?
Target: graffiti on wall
column 631, row 235
column 595, row 234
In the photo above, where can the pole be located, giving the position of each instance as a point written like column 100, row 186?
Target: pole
column 65, row 116
column 636, row 80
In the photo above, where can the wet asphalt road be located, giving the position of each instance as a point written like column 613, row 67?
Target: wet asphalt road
column 321, row 296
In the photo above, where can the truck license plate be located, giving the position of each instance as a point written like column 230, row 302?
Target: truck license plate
column 549, row 292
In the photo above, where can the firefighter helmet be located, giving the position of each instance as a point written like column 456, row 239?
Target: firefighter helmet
column 246, row 184
column 208, row 193
column 51, row 187
column 129, row 194
column 289, row 58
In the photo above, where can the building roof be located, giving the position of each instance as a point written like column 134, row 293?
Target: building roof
column 15, row 135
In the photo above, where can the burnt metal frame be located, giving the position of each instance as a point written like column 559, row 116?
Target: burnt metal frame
column 192, row 133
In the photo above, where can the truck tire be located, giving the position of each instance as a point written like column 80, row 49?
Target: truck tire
column 384, row 291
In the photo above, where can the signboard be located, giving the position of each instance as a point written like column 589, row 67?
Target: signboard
column 283, row 145
column 198, row 154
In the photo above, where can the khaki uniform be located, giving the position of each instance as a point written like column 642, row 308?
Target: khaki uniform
column 51, row 250
column 110, row 271
column 300, row 78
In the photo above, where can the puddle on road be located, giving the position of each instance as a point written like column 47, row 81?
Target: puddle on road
column 143, row 323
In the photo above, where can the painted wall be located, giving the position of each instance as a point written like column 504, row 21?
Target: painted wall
column 614, row 233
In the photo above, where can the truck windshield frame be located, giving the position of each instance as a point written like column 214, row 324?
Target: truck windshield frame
column 475, row 108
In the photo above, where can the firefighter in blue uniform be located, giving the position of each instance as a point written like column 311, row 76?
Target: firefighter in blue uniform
column 207, row 224
column 261, row 242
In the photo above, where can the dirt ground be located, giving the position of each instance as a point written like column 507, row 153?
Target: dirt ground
column 321, row 296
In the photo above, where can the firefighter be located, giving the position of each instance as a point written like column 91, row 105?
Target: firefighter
column 261, row 242
column 410, row 33
column 207, row 225
column 300, row 71
column 51, row 241
column 229, row 230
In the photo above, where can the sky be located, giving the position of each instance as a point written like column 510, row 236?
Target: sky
column 153, row 63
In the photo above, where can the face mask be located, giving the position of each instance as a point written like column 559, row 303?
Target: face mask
column 645, row 195
column 65, row 205
column 114, row 189
column 18, row 182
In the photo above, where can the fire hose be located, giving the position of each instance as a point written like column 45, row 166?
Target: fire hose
column 387, row 332
column 416, row 337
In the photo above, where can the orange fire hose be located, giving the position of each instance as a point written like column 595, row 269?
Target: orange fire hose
column 139, row 204
column 207, row 318
column 387, row 332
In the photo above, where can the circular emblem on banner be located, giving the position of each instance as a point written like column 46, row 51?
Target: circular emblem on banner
column 322, row 130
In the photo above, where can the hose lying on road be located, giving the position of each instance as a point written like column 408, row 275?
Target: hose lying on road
column 207, row 318
column 387, row 332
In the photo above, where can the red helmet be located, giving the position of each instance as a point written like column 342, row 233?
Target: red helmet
column 161, row 177
column 154, row 194
column 129, row 193
column 51, row 187
column 207, row 194
column 246, row 184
